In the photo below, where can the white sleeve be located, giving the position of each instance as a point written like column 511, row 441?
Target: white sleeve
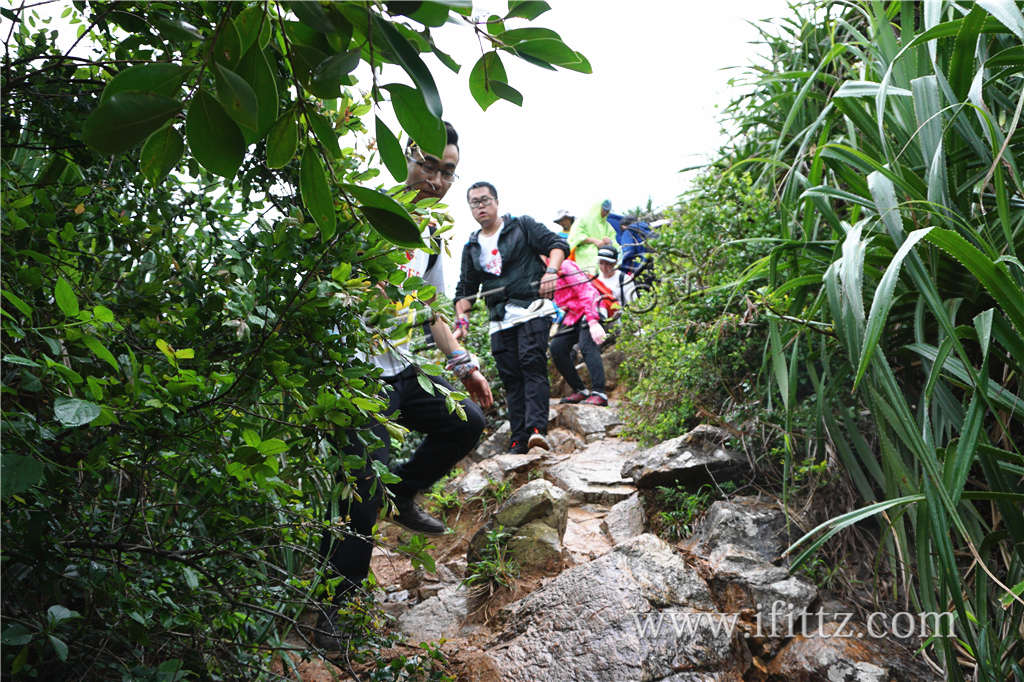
column 435, row 276
column 628, row 290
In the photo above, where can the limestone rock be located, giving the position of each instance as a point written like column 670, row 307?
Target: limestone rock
column 495, row 443
column 593, row 475
column 535, row 515
column 853, row 657
column 625, row 520
column 590, row 422
column 685, row 459
column 584, row 537
column 609, row 619
column 497, row 468
column 440, row 616
column 748, row 522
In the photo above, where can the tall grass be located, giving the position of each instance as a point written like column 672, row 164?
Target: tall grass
column 890, row 134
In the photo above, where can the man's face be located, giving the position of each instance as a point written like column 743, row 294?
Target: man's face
column 483, row 205
column 565, row 222
column 607, row 269
column 605, row 212
column 427, row 172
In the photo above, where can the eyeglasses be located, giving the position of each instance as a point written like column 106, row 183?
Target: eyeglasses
column 429, row 166
column 482, row 201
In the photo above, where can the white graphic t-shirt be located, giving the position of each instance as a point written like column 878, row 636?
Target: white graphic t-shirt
column 490, row 257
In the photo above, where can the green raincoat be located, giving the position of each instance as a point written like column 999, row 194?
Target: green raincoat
column 594, row 226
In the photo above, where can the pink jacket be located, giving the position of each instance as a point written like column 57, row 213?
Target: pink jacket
column 576, row 295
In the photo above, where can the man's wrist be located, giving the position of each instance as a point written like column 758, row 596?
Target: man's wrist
column 550, row 270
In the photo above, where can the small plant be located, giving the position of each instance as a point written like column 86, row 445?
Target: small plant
column 495, row 493
column 494, row 568
column 681, row 508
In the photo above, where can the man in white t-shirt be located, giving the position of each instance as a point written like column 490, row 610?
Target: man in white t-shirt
column 503, row 258
column 448, row 438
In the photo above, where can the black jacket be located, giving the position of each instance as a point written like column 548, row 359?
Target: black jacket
column 521, row 242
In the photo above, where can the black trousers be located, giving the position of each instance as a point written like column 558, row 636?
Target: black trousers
column 521, row 354
column 448, row 439
column 561, row 350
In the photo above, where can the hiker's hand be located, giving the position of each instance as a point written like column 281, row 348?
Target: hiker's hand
column 478, row 388
column 605, row 242
column 547, row 284
column 461, row 328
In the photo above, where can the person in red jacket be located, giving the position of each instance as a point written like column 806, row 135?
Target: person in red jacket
column 577, row 297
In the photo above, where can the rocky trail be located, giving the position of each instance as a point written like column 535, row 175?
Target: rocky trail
column 598, row 596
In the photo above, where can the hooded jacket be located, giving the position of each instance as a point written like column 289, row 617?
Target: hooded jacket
column 521, row 243
column 593, row 226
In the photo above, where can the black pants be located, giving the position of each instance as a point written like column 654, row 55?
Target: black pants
column 561, row 351
column 448, row 439
column 521, row 354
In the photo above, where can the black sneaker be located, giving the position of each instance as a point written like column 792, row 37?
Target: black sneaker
column 538, row 440
column 413, row 518
column 517, row 447
column 328, row 634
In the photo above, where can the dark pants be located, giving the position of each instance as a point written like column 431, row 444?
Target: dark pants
column 448, row 439
column 521, row 355
column 561, row 351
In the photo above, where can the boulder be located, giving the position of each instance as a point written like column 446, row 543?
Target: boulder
column 615, row 619
column 498, row 468
column 492, row 445
column 849, row 655
column 590, row 422
column 535, row 516
column 625, row 520
column 748, row 522
column 584, row 537
column 593, row 475
column 687, row 460
column 436, row 617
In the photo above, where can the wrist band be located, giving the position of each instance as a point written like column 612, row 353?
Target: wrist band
column 462, row 322
column 462, row 364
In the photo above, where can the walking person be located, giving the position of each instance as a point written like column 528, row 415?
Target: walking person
column 589, row 233
column 577, row 297
column 448, row 438
column 503, row 259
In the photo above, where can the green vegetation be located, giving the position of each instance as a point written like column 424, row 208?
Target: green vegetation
column 494, row 568
column 889, row 300
column 195, row 262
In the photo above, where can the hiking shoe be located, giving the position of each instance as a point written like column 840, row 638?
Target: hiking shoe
column 412, row 517
column 517, row 447
column 329, row 635
column 577, row 397
column 538, row 440
column 596, row 399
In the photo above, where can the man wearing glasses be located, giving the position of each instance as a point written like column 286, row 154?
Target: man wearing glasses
column 448, row 438
column 504, row 258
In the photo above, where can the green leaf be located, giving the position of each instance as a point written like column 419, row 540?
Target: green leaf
column 161, row 154
column 410, row 60
column 22, row 307
column 272, row 446
column 312, row 15
column 126, row 119
column 18, row 473
column 59, row 647
column 59, row 613
column 16, row 634
column 316, row 194
column 549, row 50
column 249, row 23
column 423, row 127
column 386, row 215
column 176, row 29
column 18, row 360
column 282, row 141
column 75, row 412
column 391, row 152
column 507, row 92
column 518, row 35
column 326, row 79
column 325, row 132
column 237, row 97
column 100, row 351
column 160, row 78
column 66, row 299
column 486, row 70
column 527, row 9
column 425, row 383
column 228, row 48
column 256, row 71
column 215, row 140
